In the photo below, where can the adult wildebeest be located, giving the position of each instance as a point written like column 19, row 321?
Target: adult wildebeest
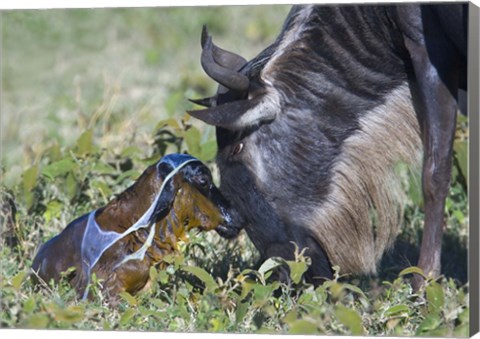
column 309, row 131
column 122, row 240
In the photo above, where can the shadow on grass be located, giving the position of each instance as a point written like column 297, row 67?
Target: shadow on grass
column 405, row 254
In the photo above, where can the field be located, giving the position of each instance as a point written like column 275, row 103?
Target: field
column 89, row 98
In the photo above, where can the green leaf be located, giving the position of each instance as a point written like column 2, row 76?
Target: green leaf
column 84, row 144
column 130, row 175
column 192, row 139
column 208, row 151
column 128, row 298
column 153, row 273
column 29, row 305
column 242, row 310
column 72, row 314
column 355, row 289
column 412, row 270
column 303, row 326
column 29, row 199
column 461, row 154
column 216, row 325
column 172, row 123
column 53, row 153
column 59, row 168
column 336, row 289
column 430, row 322
column 247, row 286
column 435, row 297
column 297, row 269
column 162, row 276
column 269, row 265
column 38, row 320
column 127, row 316
column 29, row 181
column 103, row 168
column 54, row 208
column 130, row 151
column 102, row 187
column 30, row 178
column 396, row 309
column 71, row 186
column 350, row 318
column 18, row 279
column 159, row 304
column 290, row 317
column 179, row 260
column 203, row 275
column 263, row 293
column 459, row 215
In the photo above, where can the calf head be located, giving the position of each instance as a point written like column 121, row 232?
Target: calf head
column 122, row 240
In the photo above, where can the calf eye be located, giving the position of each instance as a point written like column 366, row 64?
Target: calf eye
column 203, row 181
column 238, row 148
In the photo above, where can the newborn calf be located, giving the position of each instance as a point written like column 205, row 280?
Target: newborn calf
column 122, row 240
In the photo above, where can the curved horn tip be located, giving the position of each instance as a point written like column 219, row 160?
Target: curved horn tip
column 207, row 44
column 205, row 35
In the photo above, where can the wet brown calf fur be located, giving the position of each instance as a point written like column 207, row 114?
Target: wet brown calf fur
column 190, row 209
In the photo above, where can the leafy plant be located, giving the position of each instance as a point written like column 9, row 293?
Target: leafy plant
column 109, row 100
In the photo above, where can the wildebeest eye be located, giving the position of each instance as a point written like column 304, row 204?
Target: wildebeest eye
column 238, row 148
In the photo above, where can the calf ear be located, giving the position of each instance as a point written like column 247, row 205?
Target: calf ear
column 239, row 114
column 164, row 203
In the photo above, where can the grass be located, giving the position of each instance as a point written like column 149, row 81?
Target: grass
column 90, row 98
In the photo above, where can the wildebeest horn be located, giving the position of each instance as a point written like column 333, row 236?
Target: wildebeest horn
column 222, row 57
column 217, row 70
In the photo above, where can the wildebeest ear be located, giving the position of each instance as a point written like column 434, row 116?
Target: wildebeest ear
column 239, row 114
column 205, row 102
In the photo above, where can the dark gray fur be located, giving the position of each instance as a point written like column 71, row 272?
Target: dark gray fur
column 330, row 67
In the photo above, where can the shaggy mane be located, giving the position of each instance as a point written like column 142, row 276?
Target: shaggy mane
column 366, row 192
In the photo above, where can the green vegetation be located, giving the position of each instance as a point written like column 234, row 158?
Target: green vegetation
column 90, row 98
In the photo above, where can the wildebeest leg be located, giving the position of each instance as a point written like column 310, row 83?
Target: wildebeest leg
column 321, row 270
column 435, row 66
column 438, row 140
